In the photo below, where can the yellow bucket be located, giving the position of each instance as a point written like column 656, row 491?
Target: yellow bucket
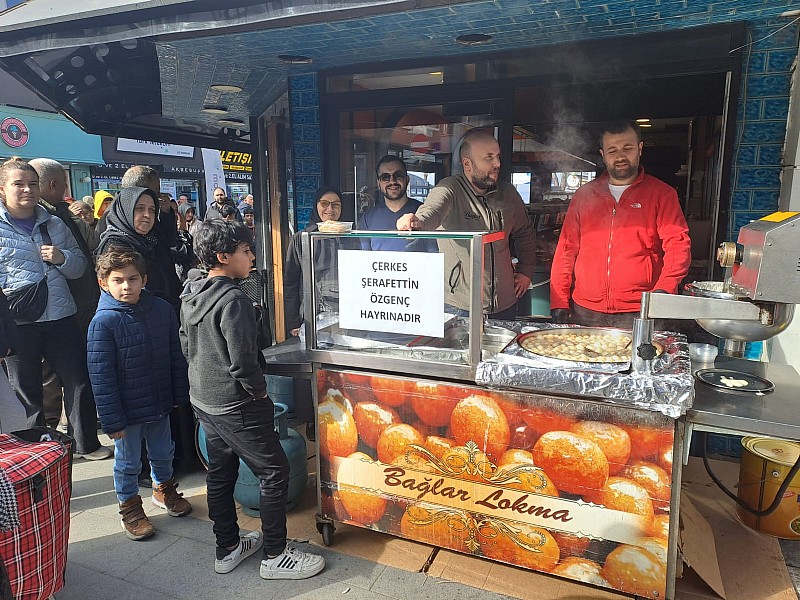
column 764, row 465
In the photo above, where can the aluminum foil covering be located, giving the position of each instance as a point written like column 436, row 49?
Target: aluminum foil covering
column 668, row 390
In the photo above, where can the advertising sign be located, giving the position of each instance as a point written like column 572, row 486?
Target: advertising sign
column 145, row 147
column 568, row 487
column 395, row 292
column 215, row 176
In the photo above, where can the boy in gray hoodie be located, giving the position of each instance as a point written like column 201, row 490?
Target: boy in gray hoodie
column 229, row 396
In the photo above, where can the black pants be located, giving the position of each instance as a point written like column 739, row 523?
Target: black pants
column 249, row 434
column 64, row 347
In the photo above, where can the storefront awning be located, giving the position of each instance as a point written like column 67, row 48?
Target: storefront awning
column 145, row 69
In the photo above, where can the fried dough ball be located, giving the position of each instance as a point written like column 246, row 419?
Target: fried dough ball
column 636, row 571
column 581, row 569
column 571, row 545
column 371, row 419
column 338, row 435
column 657, row 547
column 536, row 482
column 358, row 387
column 478, row 418
column 652, row 478
column 626, row 495
column 542, row 420
column 522, row 436
column 436, row 525
column 432, row 408
column 647, row 441
column 394, row 441
column 515, row 455
column 391, row 391
column 576, row 465
column 474, row 466
column 664, row 458
column 613, row 440
column 363, row 507
column 438, row 445
column 543, row 557
column 660, row 527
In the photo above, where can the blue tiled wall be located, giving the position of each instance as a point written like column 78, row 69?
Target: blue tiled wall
column 306, row 144
column 761, row 122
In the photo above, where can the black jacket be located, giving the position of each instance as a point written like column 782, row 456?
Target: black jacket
column 157, row 247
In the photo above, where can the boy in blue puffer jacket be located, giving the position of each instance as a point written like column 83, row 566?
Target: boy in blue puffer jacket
column 138, row 375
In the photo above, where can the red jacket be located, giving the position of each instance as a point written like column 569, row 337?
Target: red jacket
column 612, row 252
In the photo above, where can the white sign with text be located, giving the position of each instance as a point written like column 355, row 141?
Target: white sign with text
column 147, row 147
column 394, row 292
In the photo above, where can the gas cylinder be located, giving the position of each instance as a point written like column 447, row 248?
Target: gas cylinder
column 246, row 491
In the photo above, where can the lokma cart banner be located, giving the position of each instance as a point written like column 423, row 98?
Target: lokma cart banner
column 571, row 487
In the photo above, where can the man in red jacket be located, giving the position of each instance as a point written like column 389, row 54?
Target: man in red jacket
column 624, row 234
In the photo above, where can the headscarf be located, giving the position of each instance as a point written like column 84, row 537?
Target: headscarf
column 119, row 222
column 314, row 218
column 186, row 207
column 100, row 196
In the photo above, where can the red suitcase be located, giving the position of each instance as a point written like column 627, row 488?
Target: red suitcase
column 35, row 553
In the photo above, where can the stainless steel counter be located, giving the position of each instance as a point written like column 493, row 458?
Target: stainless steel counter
column 289, row 359
column 776, row 414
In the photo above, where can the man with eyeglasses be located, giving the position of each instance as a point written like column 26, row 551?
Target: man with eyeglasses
column 475, row 201
column 393, row 182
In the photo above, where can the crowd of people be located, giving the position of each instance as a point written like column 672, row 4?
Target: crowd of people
column 98, row 308
column 129, row 308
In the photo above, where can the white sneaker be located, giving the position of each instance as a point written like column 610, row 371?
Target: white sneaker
column 291, row 564
column 249, row 543
column 102, row 453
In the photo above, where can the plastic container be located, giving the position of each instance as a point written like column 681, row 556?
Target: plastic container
column 702, row 353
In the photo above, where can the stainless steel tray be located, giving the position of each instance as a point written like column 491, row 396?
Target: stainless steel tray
column 588, row 333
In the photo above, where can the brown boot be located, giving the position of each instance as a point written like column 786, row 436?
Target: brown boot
column 135, row 523
column 166, row 496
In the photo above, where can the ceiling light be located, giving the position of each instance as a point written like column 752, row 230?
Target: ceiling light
column 473, row 39
column 645, row 124
column 227, row 88
column 295, row 59
column 215, row 110
column 436, row 73
column 231, row 122
column 640, row 121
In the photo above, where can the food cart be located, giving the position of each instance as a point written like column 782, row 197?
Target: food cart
column 477, row 437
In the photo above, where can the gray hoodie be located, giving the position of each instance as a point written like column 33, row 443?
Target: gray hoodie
column 218, row 337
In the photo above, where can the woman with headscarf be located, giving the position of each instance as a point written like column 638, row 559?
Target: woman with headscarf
column 327, row 207
column 102, row 200
column 132, row 224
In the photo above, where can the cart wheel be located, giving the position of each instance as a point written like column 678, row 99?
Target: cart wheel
column 326, row 529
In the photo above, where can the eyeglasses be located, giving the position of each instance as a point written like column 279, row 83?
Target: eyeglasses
column 326, row 204
column 396, row 176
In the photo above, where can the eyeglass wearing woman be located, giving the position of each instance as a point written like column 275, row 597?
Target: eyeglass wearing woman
column 329, row 206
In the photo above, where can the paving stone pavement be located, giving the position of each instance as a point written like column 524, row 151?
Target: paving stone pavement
column 177, row 563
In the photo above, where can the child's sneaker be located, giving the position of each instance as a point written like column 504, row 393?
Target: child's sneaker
column 291, row 564
column 167, row 497
column 249, row 544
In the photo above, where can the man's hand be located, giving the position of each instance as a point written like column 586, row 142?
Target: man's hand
column 52, row 254
column 560, row 315
column 408, row 222
column 521, row 284
column 117, row 435
column 295, row 332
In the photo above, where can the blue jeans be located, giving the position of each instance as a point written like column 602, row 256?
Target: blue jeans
column 128, row 456
column 247, row 433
